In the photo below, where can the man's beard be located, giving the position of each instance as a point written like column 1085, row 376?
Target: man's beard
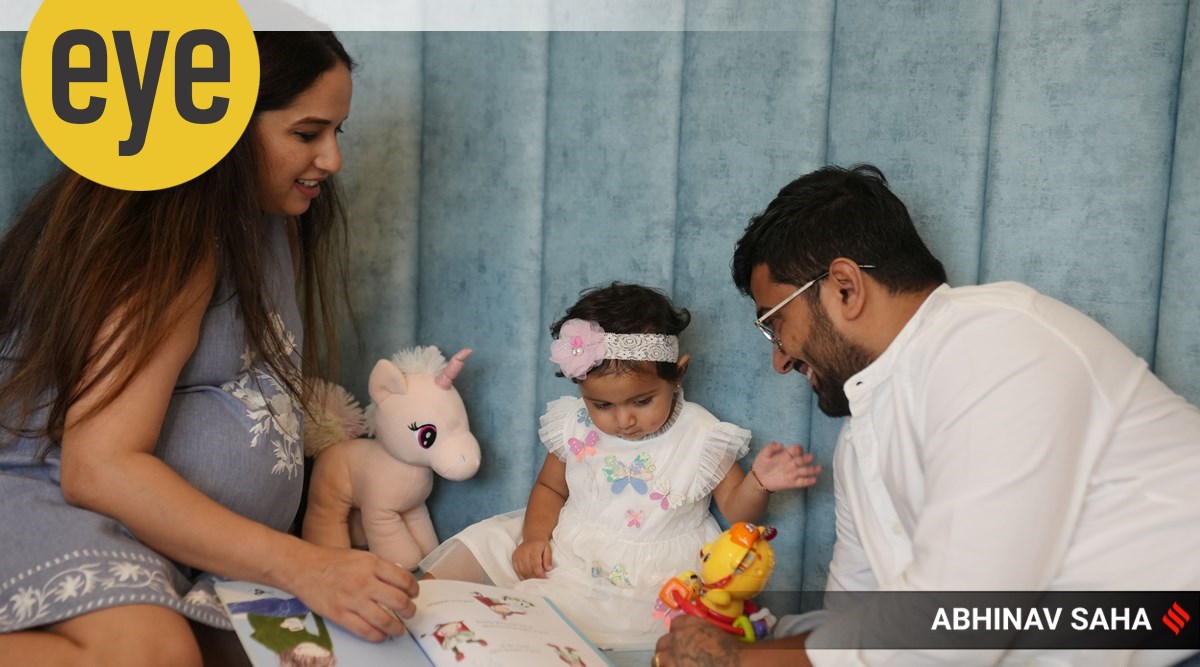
column 838, row 359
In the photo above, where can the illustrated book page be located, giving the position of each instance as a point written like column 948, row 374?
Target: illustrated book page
column 457, row 623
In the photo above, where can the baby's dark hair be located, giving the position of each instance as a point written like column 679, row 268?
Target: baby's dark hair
column 621, row 308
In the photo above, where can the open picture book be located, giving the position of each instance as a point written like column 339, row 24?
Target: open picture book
column 457, row 623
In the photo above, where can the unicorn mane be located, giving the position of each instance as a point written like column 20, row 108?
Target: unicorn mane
column 426, row 360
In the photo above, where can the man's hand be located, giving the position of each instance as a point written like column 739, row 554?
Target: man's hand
column 694, row 642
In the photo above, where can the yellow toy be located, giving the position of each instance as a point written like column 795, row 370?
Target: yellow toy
column 733, row 569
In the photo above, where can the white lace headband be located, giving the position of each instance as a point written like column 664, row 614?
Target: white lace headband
column 581, row 346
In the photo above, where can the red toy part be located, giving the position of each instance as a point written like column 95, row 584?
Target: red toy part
column 674, row 590
column 678, row 595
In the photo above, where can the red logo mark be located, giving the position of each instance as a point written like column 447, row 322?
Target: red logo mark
column 1176, row 618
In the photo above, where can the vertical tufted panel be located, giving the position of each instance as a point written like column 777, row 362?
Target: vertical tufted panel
column 1178, row 351
column 1080, row 156
column 481, row 248
column 753, row 114
column 381, row 173
column 27, row 162
column 612, row 133
column 911, row 93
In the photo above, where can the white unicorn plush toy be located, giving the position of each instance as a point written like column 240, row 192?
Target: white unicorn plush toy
column 371, row 492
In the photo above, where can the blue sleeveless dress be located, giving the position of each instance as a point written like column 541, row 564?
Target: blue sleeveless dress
column 231, row 430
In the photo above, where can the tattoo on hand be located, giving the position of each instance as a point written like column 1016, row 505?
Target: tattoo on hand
column 699, row 646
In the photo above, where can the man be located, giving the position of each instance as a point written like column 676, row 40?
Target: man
column 997, row 440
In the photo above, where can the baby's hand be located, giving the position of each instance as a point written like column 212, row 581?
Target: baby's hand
column 531, row 559
column 780, row 467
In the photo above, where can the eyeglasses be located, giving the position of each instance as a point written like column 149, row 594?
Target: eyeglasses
column 761, row 322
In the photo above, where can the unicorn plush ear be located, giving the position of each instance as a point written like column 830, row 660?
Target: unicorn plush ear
column 386, row 379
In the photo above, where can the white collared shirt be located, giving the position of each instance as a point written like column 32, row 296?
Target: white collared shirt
column 1005, row 441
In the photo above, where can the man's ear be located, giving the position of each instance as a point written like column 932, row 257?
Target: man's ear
column 846, row 289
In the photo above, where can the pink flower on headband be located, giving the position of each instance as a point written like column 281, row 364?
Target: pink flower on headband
column 578, row 348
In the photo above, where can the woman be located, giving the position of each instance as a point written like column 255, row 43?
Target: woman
column 151, row 391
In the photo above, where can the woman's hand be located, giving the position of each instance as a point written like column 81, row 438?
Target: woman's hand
column 532, row 559
column 357, row 590
column 778, row 467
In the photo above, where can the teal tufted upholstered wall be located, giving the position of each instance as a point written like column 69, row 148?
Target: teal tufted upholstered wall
column 492, row 176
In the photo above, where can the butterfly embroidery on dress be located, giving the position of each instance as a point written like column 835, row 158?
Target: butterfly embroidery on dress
column 634, row 518
column 662, row 493
column 583, row 417
column 665, row 613
column 635, row 474
column 617, row 576
column 585, row 447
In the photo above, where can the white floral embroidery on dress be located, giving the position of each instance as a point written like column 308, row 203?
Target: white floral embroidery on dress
column 201, row 598
column 277, row 418
column 31, row 604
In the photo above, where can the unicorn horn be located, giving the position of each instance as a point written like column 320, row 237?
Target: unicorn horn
column 453, row 368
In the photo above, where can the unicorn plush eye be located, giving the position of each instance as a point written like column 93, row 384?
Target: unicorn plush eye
column 426, row 434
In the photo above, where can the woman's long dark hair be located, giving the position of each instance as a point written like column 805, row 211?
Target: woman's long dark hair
column 81, row 252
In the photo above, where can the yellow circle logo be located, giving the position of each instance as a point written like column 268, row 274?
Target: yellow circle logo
column 140, row 94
